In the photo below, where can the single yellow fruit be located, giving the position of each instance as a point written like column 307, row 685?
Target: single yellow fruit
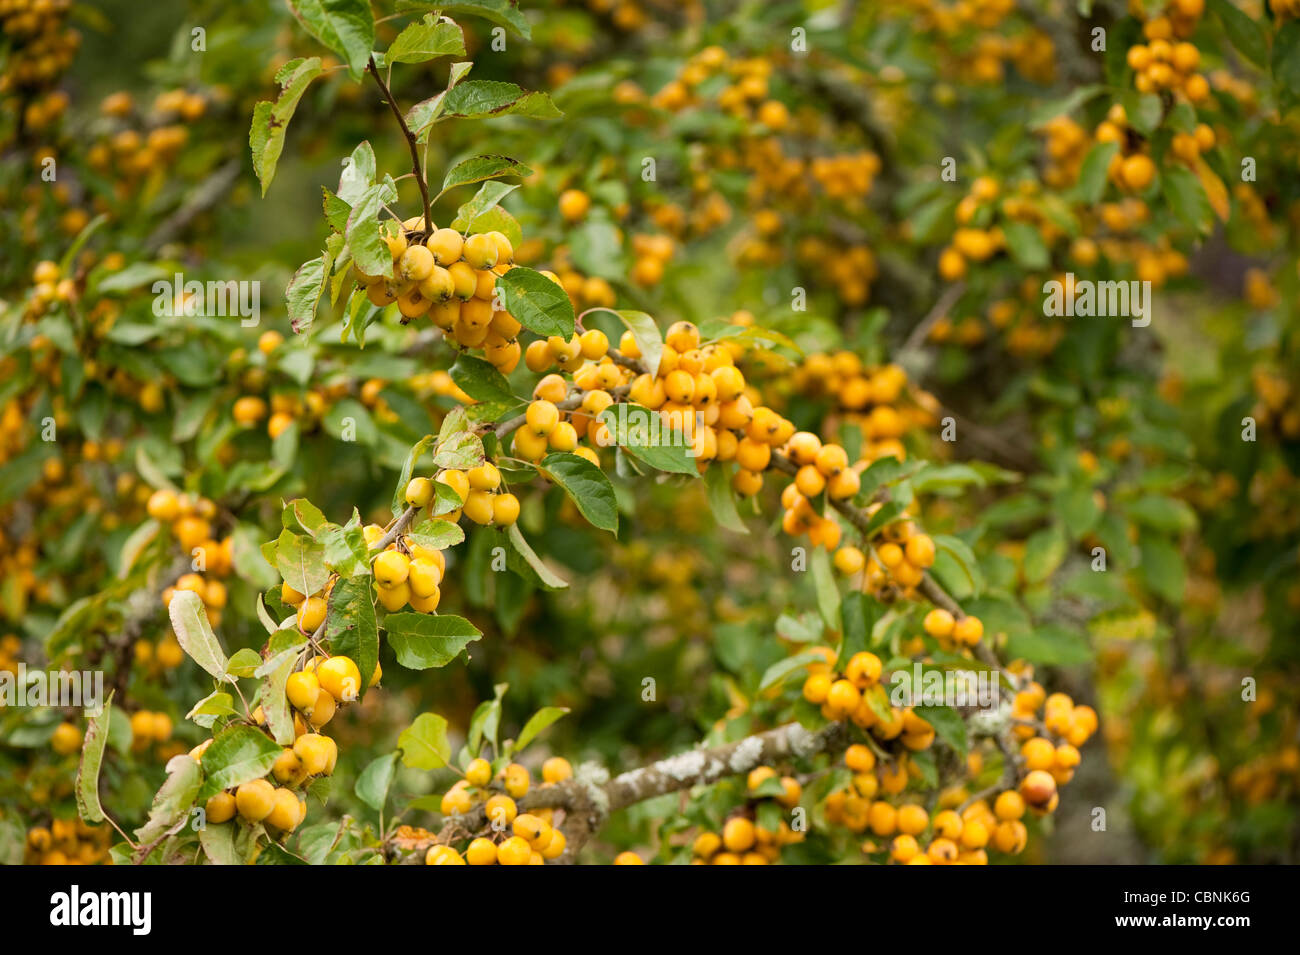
column 285, row 814
column 316, row 752
column 517, row 780
column 419, row 491
column 311, row 614
column 339, row 677
column 391, row 568
column 505, row 509
column 66, row 739
column 220, row 808
column 255, row 800
column 481, row 852
column 514, row 851
column 556, row 769
column 425, row 577
column 442, row 855
column 479, row 772
column 303, row 688
column 288, row 768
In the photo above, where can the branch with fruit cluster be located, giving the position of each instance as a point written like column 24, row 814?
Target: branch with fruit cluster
column 590, row 797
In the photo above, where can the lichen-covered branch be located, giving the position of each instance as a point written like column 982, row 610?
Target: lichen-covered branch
column 591, row 796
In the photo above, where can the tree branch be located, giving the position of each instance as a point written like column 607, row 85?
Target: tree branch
column 590, row 797
column 417, row 167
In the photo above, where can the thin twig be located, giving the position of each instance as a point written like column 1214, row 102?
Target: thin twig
column 417, row 168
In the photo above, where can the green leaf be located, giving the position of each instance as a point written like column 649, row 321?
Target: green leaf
column 1163, row 513
column 1186, row 196
column 345, row 26
column 644, row 434
column 497, row 219
column 828, row 593
column 424, row 641
column 74, row 248
column 249, row 562
column 92, row 758
column 501, row 12
column 302, row 514
column 883, row 472
column 135, row 545
column 722, row 499
column 524, row 561
column 1064, row 106
column 351, row 627
column 1286, row 58
column 860, row 612
column 1026, row 245
column 359, row 171
column 458, row 447
column 301, row 562
column 476, row 99
column 963, row 558
column 137, row 273
column 538, row 722
column 948, row 725
column 373, row 783
column 1144, row 111
column 194, row 632
column 438, row 535
column 938, row 479
column 1163, row 568
column 1044, row 552
column 481, row 380
column 540, row 305
column 478, row 168
column 175, row 797
column 271, row 121
column 1078, row 510
column 218, row 843
column 1247, row 34
column 485, row 721
column 781, row 669
column 206, row 711
column 237, row 755
column 889, row 512
column 304, row 292
column 284, row 649
column 346, row 552
column 424, row 743
column 487, row 198
column 587, row 486
column 1093, row 175
column 369, row 250
column 648, row 338
column 426, row 40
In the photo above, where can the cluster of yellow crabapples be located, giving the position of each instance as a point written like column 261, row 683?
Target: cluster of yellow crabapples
column 68, row 842
column 190, row 518
column 452, row 279
column 845, row 695
column 406, row 572
column 315, row 692
column 39, row 44
column 697, row 390
column 743, row 841
column 513, row 838
column 1168, row 61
